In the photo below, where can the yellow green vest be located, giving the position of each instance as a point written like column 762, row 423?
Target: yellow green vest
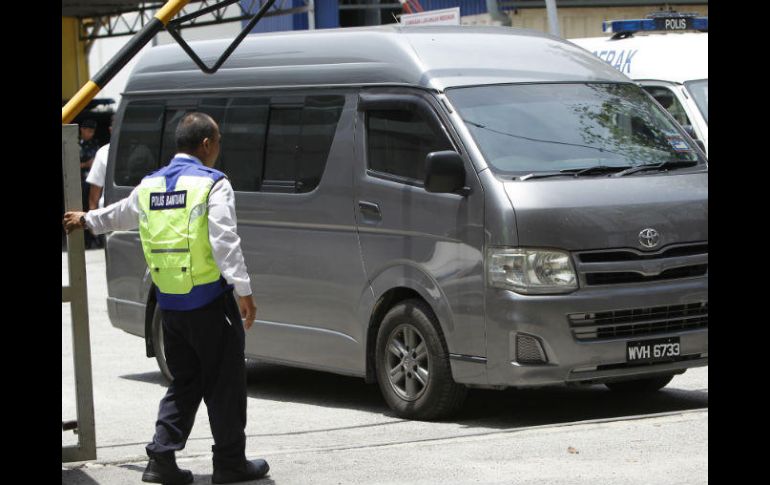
column 174, row 229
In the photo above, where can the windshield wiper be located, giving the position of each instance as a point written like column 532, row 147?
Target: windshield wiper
column 575, row 172
column 595, row 170
column 542, row 175
column 668, row 164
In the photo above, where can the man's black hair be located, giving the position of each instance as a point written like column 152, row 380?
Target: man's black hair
column 192, row 129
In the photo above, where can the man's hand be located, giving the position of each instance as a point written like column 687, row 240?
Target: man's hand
column 248, row 310
column 72, row 221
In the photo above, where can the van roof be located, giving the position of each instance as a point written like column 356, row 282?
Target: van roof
column 436, row 57
column 675, row 57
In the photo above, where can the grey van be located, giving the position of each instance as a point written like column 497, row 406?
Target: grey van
column 436, row 209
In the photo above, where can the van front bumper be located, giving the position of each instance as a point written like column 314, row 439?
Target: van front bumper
column 574, row 360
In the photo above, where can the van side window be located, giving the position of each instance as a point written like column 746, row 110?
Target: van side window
column 282, row 149
column 243, row 142
column 299, row 138
column 168, row 143
column 398, row 141
column 139, row 142
column 319, row 123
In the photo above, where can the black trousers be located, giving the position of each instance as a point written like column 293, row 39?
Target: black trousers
column 205, row 354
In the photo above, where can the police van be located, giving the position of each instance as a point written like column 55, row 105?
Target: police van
column 668, row 59
column 434, row 209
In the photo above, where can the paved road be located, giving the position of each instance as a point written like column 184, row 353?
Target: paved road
column 317, row 428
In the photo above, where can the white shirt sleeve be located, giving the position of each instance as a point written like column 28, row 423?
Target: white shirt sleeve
column 123, row 215
column 225, row 242
column 99, row 168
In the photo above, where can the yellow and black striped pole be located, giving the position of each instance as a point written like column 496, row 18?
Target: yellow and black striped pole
column 92, row 87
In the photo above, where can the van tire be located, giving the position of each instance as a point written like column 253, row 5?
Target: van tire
column 441, row 396
column 157, row 344
column 646, row 385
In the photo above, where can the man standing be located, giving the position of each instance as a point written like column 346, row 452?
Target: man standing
column 97, row 175
column 95, row 180
column 88, row 148
column 186, row 218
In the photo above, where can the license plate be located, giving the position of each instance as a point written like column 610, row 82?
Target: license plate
column 652, row 350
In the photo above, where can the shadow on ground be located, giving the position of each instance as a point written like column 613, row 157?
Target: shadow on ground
column 496, row 409
column 79, row 476
column 76, row 477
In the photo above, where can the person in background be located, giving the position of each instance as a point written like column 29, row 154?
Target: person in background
column 95, row 180
column 89, row 145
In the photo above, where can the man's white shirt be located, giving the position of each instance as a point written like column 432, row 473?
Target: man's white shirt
column 225, row 242
column 99, row 170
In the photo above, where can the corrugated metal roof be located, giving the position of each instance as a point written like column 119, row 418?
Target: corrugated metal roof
column 92, row 8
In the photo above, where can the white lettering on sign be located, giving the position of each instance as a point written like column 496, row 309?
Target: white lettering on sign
column 449, row 16
column 676, row 24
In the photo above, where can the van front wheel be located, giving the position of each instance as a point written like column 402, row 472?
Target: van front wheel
column 157, row 344
column 413, row 368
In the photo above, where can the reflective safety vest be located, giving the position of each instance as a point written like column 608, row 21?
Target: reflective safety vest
column 174, row 229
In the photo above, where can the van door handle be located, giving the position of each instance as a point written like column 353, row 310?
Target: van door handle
column 370, row 212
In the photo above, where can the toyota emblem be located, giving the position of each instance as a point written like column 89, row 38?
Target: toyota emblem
column 649, row 238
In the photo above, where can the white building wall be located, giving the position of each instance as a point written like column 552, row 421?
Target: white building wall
column 576, row 22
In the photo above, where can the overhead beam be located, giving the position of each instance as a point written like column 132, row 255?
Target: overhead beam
column 130, row 22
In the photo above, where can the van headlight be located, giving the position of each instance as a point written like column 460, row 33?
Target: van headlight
column 531, row 271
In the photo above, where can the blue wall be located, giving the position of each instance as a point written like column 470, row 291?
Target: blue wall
column 326, row 17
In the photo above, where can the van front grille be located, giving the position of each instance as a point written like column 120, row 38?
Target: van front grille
column 630, row 277
column 629, row 266
column 626, row 255
column 639, row 321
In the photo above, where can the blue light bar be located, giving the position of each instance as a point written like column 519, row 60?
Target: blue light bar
column 658, row 24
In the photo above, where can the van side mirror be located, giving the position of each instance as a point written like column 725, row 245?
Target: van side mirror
column 444, row 172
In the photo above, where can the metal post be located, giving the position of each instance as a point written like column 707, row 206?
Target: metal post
column 76, row 294
column 493, row 8
column 553, row 20
column 372, row 16
column 311, row 14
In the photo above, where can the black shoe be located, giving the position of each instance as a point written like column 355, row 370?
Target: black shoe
column 249, row 470
column 162, row 468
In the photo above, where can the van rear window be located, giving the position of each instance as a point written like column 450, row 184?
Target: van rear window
column 267, row 144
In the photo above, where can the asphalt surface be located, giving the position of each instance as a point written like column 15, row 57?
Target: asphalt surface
column 318, row 428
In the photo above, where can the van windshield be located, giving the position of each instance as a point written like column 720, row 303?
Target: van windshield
column 527, row 128
column 700, row 93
